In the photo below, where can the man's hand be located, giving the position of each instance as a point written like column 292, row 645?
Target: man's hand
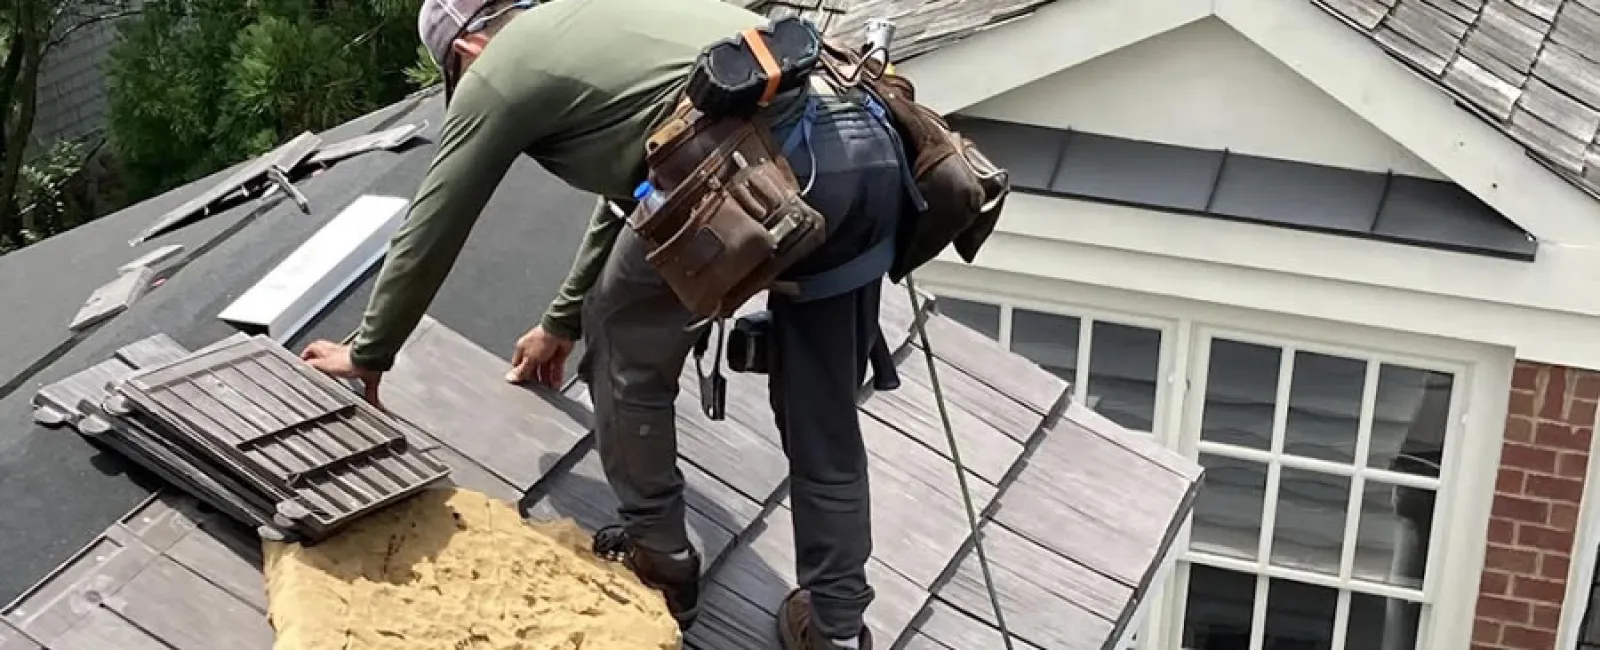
column 334, row 360
column 540, row 356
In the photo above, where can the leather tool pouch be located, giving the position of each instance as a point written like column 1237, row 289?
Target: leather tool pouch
column 733, row 218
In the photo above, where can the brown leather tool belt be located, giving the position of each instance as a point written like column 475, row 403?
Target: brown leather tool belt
column 734, row 217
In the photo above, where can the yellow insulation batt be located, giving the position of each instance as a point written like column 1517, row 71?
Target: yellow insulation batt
column 454, row 569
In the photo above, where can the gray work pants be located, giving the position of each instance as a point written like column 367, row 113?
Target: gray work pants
column 636, row 347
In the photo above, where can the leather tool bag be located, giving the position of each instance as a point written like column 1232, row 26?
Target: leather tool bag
column 733, row 219
column 962, row 191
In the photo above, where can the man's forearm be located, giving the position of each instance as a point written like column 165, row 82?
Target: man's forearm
column 478, row 141
column 410, row 277
column 564, row 317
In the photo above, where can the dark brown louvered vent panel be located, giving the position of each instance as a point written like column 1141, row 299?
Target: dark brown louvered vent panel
column 297, row 435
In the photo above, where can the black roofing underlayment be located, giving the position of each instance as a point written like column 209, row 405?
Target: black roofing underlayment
column 1071, row 555
column 60, row 490
column 1227, row 185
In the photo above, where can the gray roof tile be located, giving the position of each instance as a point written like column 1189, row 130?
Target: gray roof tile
column 1056, row 593
column 1541, row 54
column 1531, row 66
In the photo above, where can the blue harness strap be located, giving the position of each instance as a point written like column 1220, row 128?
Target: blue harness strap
column 847, row 277
column 876, row 261
column 877, row 110
column 801, row 131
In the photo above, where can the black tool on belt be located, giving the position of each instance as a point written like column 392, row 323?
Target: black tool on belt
column 749, row 347
column 713, row 387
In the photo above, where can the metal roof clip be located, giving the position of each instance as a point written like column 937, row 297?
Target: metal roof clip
column 277, row 176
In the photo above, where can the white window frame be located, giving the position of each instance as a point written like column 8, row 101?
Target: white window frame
column 1086, row 317
column 1482, row 377
column 1274, row 461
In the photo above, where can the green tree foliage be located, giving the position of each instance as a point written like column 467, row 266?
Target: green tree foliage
column 49, row 196
column 29, row 31
column 197, row 85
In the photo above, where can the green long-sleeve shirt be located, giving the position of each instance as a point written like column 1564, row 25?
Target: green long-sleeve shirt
column 577, row 85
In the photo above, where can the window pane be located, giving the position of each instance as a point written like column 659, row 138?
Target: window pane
column 1123, row 363
column 1300, row 617
column 1227, row 513
column 1049, row 340
column 1410, row 419
column 1220, row 604
column 1392, row 542
column 1382, row 623
column 980, row 316
column 1324, row 407
column 1309, row 530
column 1241, row 389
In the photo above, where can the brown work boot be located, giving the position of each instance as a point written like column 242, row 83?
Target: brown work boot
column 795, row 631
column 677, row 579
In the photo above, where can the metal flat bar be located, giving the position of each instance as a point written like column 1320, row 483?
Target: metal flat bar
column 157, row 260
column 286, row 156
column 321, row 268
column 386, row 139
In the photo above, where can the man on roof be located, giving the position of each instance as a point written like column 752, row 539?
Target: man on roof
column 579, row 85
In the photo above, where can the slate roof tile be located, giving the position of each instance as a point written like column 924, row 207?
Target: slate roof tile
column 922, row 564
column 1531, row 66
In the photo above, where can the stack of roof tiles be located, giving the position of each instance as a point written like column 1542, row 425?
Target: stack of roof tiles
column 245, row 427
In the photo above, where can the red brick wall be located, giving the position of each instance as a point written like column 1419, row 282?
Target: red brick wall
column 1535, row 518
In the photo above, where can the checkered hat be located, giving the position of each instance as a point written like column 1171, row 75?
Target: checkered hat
column 440, row 21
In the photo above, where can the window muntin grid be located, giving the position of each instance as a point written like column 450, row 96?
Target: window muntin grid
column 1299, row 489
column 1120, row 377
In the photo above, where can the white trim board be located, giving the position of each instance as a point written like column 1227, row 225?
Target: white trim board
column 1150, row 604
column 303, row 284
column 1543, row 310
column 1413, row 111
column 1054, row 37
column 1585, row 554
